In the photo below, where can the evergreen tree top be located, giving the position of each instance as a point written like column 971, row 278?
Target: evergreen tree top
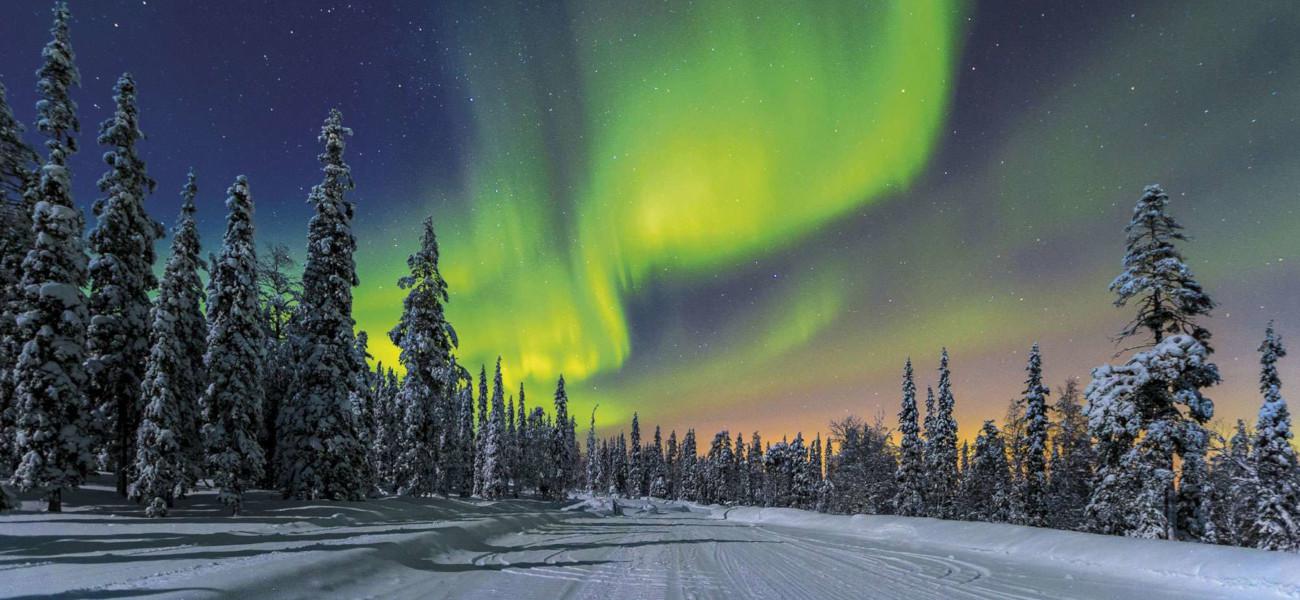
column 189, row 191
column 56, row 111
column 1155, row 274
column 1034, row 388
column 1271, row 349
column 122, row 131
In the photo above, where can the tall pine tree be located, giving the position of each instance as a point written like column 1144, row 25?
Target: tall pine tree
column 426, row 342
column 321, row 455
column 234, row 358
column 121, row 279
column 168, row 451
column 1033, row 500
column 17, row 178
column 910, row 501
column 50, row 429
column 1277, row 522
column 1149, row 410
column 942, row 472
column 494, row 483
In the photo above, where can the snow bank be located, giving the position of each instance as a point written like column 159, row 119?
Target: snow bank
column 1241, row 568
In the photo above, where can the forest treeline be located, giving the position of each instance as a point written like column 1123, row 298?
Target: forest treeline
column 255, row 377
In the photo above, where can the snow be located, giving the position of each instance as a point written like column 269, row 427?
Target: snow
column 597, row 548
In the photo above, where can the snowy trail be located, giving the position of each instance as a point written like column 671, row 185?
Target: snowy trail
column 396, row 548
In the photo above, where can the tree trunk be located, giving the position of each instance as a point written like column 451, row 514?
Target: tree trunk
column 123, row 447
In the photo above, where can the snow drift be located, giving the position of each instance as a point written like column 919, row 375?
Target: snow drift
column 1240, row 568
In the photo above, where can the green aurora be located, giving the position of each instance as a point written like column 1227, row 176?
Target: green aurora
column 711, row 136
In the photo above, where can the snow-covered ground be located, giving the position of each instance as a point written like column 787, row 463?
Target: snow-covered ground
column 404, row 548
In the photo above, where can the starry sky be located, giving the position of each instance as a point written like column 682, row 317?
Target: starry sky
column 737, row 214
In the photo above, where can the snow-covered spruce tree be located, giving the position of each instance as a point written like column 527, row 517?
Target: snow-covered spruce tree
column 635, row 470
column 50, row 429
column 736, row 483
column 387, row 426
column 461, row 467
column 755, row 474
column 511, row 443
column 718, row 470
column 941, row 468
column 494, row 483
column 803, row 483
column 1277, row 519
column 593, row 465
column 415, row 471
column 1070, row 476
column 320, row 450
column 121, row 278
column 363, row 402
column 1195, row 508
column 672, row 466
column 233, row 400
column 480, row 431
column 990, row 478
column 17, row 180
column 523, row 461
column 1033, row 501
column 425, row 341
column 658, row 467
column 168, row 450
column 1136, row 410
column 1235, row 489
column 562, row 469
column 687, row 482
column 910, row 501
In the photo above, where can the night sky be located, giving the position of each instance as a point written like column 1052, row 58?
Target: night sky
column 736, row 214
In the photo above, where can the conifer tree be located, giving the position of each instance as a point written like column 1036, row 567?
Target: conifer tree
column 50, row 407
column 1035, row 446
column 736, row 483
column 688, row 485
column 941, row 463
column 17, row 178
column 463, row 466
column 635, row 470
column 1277, row 520
column 561, row 465
column 990, row 487
column 658, row 468
column 910, row 501
column 1070, row 476
column 121, row 278
column 321, row 454
column 480, row 431
column 1145, row 398
column 1235, row 489
column 756, row 475
column 388, row 428
column 1195, row 510
column 523, row 458
column 168, row 449
column 233, row 399
column 672, row 465
column 494, row 481
column 593, row 465
column 1155, row 277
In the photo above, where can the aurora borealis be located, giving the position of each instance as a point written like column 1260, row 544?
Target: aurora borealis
column 739, row 214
